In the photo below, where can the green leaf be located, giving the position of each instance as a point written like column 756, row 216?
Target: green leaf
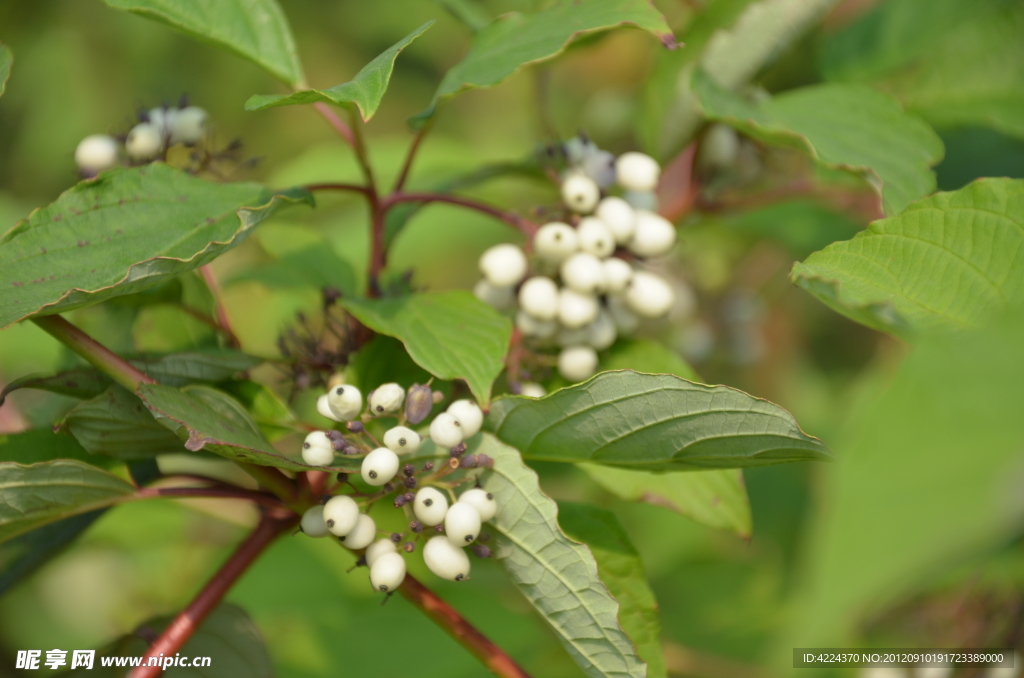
column 366, row 90
column 644, row 355
column 43, row 493
column 947, row 261
column 6, row 59
column 32, row 447
column 80, row 384
column 269, row 411
column 381, row 360
column 848, row 126
column 116, row 423
column 559, row 577
column 514, row 40
column 24, row 554
column 715, row 498
column 471, row 13
column 315, row 266
column 620, row 568
column 122, row 232
column 254, row 29
column 654, row 422
column 449, row 334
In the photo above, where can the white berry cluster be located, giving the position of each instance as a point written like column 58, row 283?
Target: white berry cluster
column 425, row 493
column 158, row 129
column 585, row 284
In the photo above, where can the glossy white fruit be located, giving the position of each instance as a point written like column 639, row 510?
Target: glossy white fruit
column 462, row 524
column 602, row 332
column 313, row 524
column 362, row 534
column 482, row 500
column 144, row 142
column 576, row 363
column 556, row 242
column 445, row 560
column 162, row 118
column 637, row 171
column 324, row 408
column 387, row 572
column 379, row 466
column 580, row 193
column 379, row 548
column 469, row 415
column 96, row 153
column 341, row 513
column 576, row 310
column 534, row 328
column 626, row 321
column 430, row 506
column 649, row 296
column 446, row 431
column 619, row 216
column 500, row 298
column 539, row 297
column 188, row 126
column 600, row 166
column 386, row 398
column 317, row 449
column 532, row 389
column 617, row 274
column 583, row 273
column 655, row 235
column 402, row 440
column 503, row 265
column 345, row 401
column 595, row 237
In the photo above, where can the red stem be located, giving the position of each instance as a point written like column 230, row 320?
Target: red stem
column 337, row 123
column 95, row 353
column 356, row 188
column 445, row 616
column 222, row 314
column 524, row 225
column 185, row 624
column 410, row 156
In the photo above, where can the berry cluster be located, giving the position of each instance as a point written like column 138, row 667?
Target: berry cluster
column 157, row 130
column 424, row 493
column 585, row 285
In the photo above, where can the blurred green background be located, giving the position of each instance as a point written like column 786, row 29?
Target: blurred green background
column 730, row 606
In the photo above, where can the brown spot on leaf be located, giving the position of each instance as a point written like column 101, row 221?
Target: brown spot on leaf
column 83, row 243
column 58, row 217
column 17, row 284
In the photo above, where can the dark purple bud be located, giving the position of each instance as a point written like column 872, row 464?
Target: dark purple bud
column 418, row 403
column 339, row 445
column 483, row 461
column 469, row 461
column 351, row 450
column 356, row 426
column 429, row 466
column 409, row 469
column 481, row 551
column 388, row 487
column 484, row 537
column 439, row 528
column 416, row 526
column 410, row 482
column 408, row 547
column 395, row 537
column 409, row 497
column 400, row 501
column 458, row 450
column 342, row 477
column 334, row 435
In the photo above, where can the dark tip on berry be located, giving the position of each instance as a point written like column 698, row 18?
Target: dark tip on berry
column 384, row 588
column 372, row 474
column 408, row 547
column 460, row 577
column 490, row 496
column 468, row 538
column 428, row 502
column 401, row 442
column 329, row 522
column 339, row 391
column 395, row 537
column 439, row 528
column 380, row 408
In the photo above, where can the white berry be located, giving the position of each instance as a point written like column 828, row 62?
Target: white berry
column 532, row 389
column 626, row 321
column 446, row 430
column 162, row 119
column 617, row 274
column 596, row 238
column 379, row 548
column 188, row 126
column 379, row 466
column 584, row 273
column 649, row 296
column 387, row 572
column 619, row 216
column 576, row 310
column 503, row 265
column 345, row 401
column 641, row 200
column 655, row 235
column 430, row 506
column 600, row 166
column 539, row 297
column 535, row 328
column 637, row 171
column 313, row 524
column 402, row 440
column 556, row 242
column 341, row 513
column 361, row 535
column 580, row 193
column 482, row 500
column 462, row 524
column 602, row 332
column 576, row 363
column 719, row 148
column 144, row 142
column 96, row 152
column 386, row 398
column 573, row 336
column 317, row 449
column 469, row 415
column 500, row 298
column 324, row 408
column 445, row 560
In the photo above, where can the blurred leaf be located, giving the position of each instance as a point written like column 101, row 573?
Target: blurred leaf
column 317, row 267
column 715, row 498
column 24, row 554
column 255, row 29
column 116, row 423
column 366, row 90
column 558, row 576
column 931, row 473
column 43, row 493
column 122, row 232
column 471, row 13
column 644, row 355
column 6, row 59
column 803, row 226
column 620, row 568
column 269, row 412
column 31, row 447
column 382, row 360
column 947, row 261
column 450, row 334
column 655, row 422
column 514, row 40
column 84, row 383
column 848, row 126
column 228, row 636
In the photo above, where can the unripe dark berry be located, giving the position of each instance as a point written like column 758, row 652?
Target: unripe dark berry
column 439, row 528
column 458, row 450
column 388, row 487
column 469, row 461
column 409, row 469
column 480, row 551
column 409, row 547
column 334, row 435
column 351, row 450
column 416, row 526
column 409, row 497
column 400, row 501
column 429, row 466
column 356, row 426
column 342, row 477
column 396, row 537
column 410, row 482
column 483, row 461
column 418, row 403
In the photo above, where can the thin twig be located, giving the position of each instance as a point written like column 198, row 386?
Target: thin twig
column 524, row 225
column 95, row 353
column 357, row 188
column 410, row 156
column 222, row 315
column 209, row 492
column 359, row 146
column 337, row 123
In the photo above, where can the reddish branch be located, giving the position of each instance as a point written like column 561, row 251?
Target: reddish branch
column 95, row 353
column 524, row 225
column 222, row 315
column 337, row 123
column 210, row 492
column 489, row 654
